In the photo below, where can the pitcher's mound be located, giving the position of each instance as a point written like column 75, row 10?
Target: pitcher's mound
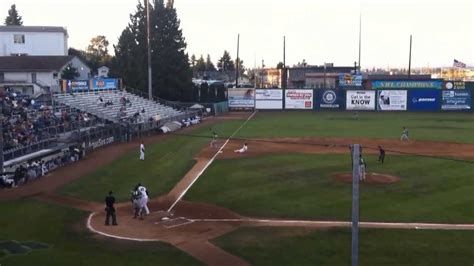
column 370, row 178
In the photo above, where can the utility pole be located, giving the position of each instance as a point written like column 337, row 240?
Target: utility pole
column 150, row 94
column 409, row 59
column 355, row 203
column 237, row 63
column 360, row 39
column 284, row 71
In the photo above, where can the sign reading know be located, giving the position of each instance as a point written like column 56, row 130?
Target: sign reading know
column 360, row 100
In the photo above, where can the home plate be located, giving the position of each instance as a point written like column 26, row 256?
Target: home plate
column 167, row 222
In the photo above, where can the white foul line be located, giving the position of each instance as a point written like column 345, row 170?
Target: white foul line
column 89, row 226
column 209, row 163
column 401, row 225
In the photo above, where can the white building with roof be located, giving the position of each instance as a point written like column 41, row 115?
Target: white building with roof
column 33, row 41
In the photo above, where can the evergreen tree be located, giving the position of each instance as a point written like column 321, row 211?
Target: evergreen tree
column 13, row 18
column 130, row 62
column 209, row 65
column 193, row 61
column 225, row 63
column 200, row 65
column 69, row 72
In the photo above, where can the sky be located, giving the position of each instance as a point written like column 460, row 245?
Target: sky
column 317, row 31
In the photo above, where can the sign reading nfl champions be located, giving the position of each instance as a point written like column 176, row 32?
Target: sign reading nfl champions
column 392, row 100
column 299, row 99
column 360, row 100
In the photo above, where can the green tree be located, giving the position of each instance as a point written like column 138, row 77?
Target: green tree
column 209, row 65
column 193, row 61
column 280, row 65
column 97, row 53
column 130, row 62
column 225, row 63
column 69, row 72
column 13, row 18
column 172, row 75
column 200, row 65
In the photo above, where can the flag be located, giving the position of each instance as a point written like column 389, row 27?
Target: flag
column 459, row 64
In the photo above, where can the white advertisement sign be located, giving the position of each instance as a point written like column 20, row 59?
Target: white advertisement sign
column 269, row 105
column 299, row 99
column 392, row 100
column 263, row 94
column 360, row 100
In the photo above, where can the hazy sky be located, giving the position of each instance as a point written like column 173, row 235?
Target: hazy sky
column 317, row 31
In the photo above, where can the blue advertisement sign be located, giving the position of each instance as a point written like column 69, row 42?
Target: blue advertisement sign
column 77, row 85
column 330, row 99
column 104, row 84
column 407, row 84
column 424, row 100
column 350, row 81
column 456, row 100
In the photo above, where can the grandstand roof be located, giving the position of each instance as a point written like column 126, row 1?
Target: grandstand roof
column 33, row 63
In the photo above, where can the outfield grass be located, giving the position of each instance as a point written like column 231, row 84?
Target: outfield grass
column 70, row 243
column 166, row 163
column 290, row 246
column 456, row 127
column 299, row 186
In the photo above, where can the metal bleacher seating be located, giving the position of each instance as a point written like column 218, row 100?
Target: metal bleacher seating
column 89, row 102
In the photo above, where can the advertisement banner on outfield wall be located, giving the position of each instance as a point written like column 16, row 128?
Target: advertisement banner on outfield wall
column 105, row 84
column 407, row 84
column 392, row 100
column 360, row 100
column 424, row 100
column 241, row 99
column 330, row 99
column 269, row 94
column 269, row 105
column 299, row 99
column 456, row 100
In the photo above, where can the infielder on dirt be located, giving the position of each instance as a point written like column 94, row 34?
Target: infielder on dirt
column 381, row 155
column 142, row 152
column 404, row 136
column 214, row 139
column 243, row 149
column 362, row 168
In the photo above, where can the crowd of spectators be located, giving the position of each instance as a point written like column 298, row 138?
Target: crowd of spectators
column 27, row 122
column 35, row 169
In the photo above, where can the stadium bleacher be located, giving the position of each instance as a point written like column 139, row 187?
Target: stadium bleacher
column 124, row 106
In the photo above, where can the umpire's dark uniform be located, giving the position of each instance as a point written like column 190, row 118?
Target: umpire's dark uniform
column 110, row 209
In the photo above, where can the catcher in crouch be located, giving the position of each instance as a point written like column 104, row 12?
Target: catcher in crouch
column 243, row 149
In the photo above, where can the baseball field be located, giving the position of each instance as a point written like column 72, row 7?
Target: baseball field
column 286, row 201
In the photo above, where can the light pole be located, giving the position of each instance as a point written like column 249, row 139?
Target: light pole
column 150, row 94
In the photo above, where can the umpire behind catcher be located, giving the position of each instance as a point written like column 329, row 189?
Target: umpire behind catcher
column 110, row 209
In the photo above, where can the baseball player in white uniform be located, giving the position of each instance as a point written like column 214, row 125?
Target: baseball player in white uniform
column 144, row 199
column 404, row 136
column 142, row 152
column 362, row 169
column 243, row 149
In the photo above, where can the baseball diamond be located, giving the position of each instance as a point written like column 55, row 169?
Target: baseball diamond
column 289, row 190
